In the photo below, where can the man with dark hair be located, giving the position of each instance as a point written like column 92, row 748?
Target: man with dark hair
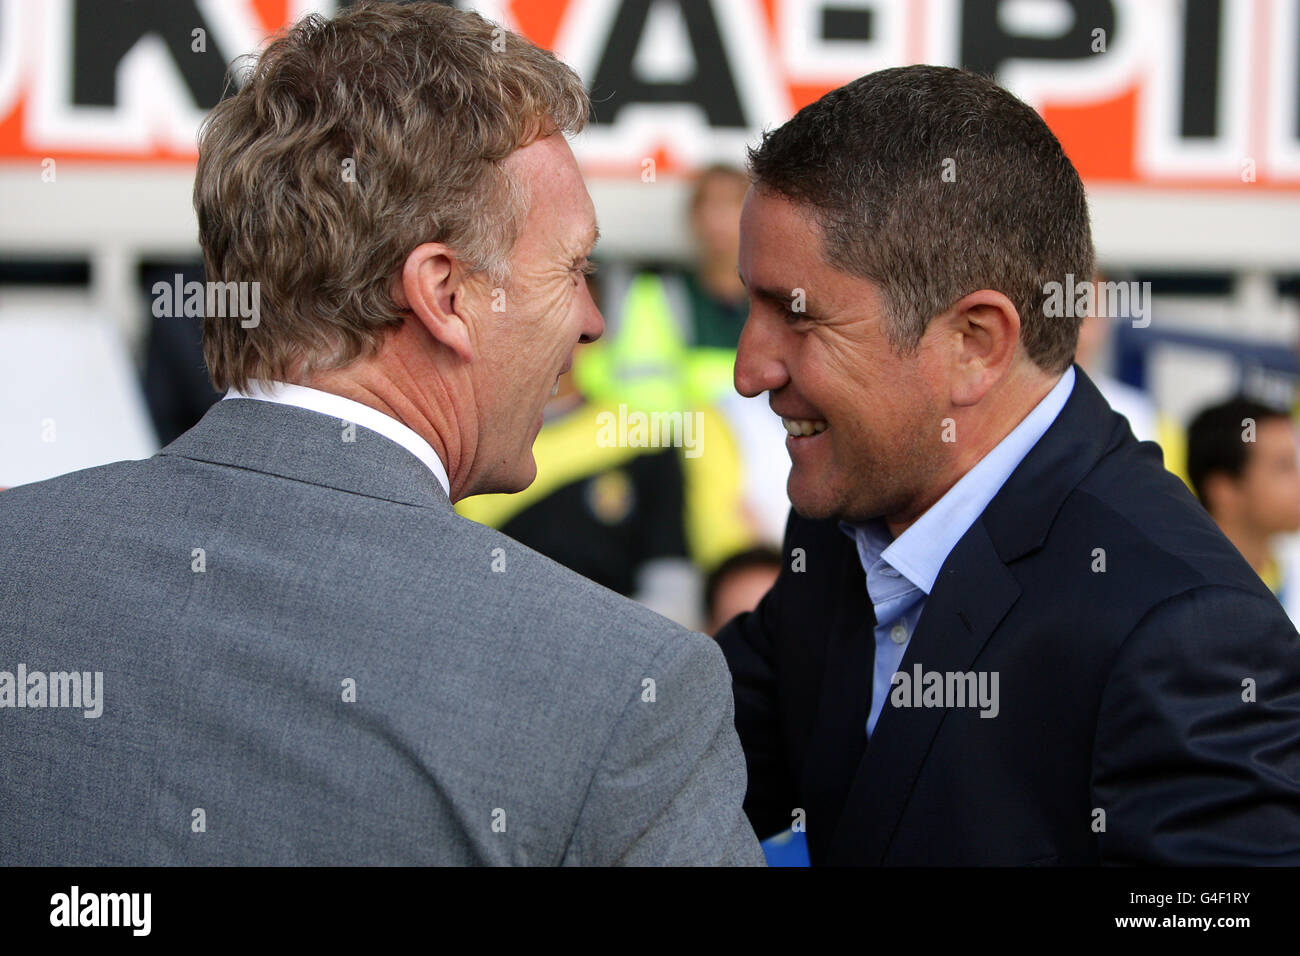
column 1002, row 633
column 1242, row 462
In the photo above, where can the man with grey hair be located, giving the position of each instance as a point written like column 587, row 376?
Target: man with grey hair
column 306, row 655
column 1003, row 633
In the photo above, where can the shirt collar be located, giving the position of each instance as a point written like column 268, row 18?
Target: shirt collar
column 920, row 551
column 345, row 409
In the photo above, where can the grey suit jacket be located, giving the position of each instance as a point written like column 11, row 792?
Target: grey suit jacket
column 308, row 658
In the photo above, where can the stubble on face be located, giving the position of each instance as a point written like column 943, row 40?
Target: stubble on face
column 835, row 363
column 889, row 462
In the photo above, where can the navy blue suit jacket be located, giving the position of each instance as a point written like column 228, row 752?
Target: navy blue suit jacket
column 1149, row 713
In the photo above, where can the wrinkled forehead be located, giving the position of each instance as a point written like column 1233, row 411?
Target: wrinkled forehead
column 778, row 233
column 783, row 249
column 559, row 206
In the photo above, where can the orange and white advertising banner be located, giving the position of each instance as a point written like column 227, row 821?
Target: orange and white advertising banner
column 1191, row 94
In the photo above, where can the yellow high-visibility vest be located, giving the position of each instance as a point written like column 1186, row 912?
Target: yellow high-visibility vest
column 647, row 360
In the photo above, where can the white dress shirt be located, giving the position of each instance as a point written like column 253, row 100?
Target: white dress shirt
column 345, row 409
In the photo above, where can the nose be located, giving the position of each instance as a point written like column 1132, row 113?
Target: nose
column 759, row 366
column 593, row 326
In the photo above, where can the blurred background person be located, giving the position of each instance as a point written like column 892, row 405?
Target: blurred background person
column 738, row 584
column 1244, row 465
column 673, row 330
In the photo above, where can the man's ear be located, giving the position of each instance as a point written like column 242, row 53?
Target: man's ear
column 983, row 329
column 432, row 287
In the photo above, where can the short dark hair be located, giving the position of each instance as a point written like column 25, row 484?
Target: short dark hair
column 871, row 158
column 1215, row 443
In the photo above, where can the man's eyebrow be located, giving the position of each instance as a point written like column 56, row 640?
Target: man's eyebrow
column 775, row 296
column 587, row 246
column 781, row 297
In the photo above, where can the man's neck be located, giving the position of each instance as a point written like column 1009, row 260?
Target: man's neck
column 979, row 429
column 407, row 390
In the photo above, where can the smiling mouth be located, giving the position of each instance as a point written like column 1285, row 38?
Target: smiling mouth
column 804, row 427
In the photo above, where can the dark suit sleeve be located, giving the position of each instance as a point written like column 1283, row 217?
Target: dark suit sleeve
column 1188, row 768
column 752, row 644
column 748, row 644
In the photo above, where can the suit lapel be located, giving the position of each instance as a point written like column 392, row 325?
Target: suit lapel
column 973, row 594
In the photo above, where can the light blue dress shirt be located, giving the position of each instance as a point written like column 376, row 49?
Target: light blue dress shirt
column 901, row 572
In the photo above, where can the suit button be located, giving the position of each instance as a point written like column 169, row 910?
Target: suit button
column 898, row 633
